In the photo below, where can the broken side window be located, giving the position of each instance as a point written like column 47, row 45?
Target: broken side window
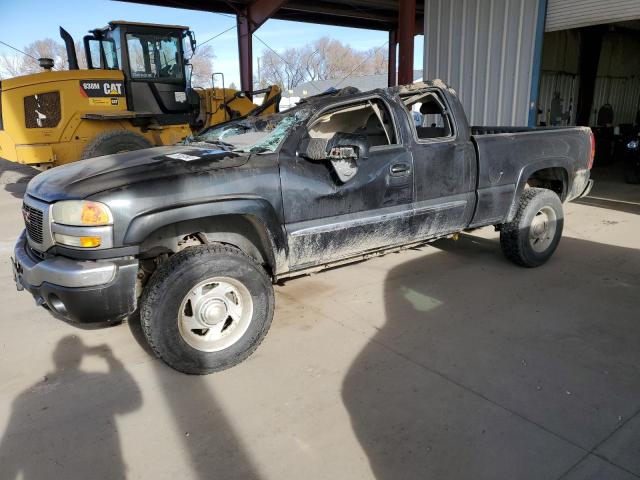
column 429, row 115
column 369, row 117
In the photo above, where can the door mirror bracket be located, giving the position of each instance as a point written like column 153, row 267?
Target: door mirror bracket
column 343, row 150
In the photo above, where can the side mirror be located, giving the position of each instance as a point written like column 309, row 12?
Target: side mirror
column 343, row 150
column 342, row 146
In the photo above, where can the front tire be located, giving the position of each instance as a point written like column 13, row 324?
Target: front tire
column 533, row 235
column 206, row 309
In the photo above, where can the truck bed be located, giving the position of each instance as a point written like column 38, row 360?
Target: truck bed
column 505, row 155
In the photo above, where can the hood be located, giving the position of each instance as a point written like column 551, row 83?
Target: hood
column 87, row 177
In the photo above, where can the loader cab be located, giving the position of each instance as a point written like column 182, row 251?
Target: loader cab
column 152, row 59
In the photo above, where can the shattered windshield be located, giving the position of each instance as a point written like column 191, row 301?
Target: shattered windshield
column 253, row 134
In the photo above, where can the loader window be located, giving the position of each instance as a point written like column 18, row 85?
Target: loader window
column 430, row 118
column 155, row 57
column 102, row 54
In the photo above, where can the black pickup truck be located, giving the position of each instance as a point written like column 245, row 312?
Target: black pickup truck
column 192, row 237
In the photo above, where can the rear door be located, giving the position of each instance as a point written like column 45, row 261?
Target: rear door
column 329, row 218
column 444, row 165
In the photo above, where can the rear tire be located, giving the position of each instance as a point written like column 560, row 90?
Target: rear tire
column 206, row 309
column 533, row 235
column 114, row 141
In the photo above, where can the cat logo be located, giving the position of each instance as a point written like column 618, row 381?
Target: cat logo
column 114, row 102
column 113, row 88
column 101, row 88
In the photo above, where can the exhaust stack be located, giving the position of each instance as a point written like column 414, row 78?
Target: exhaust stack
column 71, row 49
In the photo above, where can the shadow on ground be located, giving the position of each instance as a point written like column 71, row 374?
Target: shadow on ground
column 14, row 177
column 487, row 370
column 65, row 425
column 212, row 446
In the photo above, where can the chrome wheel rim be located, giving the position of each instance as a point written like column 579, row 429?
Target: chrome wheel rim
column 542, row 229
column 215, row 314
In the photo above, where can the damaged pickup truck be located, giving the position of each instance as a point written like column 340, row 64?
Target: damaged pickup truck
column 192, row 237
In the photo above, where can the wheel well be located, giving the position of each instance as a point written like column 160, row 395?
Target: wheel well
column 242, row 231
column 554, row 179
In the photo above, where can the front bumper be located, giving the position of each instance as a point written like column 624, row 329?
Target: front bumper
column 78, row 290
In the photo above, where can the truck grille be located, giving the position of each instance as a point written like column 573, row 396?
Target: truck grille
column 33, row 221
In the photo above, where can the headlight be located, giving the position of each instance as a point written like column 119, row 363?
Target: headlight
column 82, row 224
column 633, row 145
column 81, row 213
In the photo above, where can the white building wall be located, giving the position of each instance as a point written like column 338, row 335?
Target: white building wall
column 566, row 14
column 484, row 49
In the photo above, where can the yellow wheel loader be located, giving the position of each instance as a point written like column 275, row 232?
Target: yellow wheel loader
column 135, row 93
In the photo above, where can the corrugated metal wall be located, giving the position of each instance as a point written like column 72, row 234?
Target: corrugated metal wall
column 622, row 93
column 617, row 81
column 484, row 49
column 559, row 77
column 565, row 14
column 565, row 87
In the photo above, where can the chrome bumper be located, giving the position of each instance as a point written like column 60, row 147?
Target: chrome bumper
column 97, row 292
column 61, row 271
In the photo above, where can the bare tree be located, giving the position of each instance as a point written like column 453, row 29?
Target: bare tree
column 14, row 65
column 82, row 57
column 377, row 61
column 45, row 48
column 9, row 65
column 287, row 69
column 323, row 59
column 202, row 65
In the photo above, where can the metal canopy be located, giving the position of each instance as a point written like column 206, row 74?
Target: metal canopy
column 368, row 14
column 403, row 19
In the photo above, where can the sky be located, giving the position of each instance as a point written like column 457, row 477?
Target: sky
column 24, row 21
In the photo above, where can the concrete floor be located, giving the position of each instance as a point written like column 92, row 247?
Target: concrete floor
column 443, row 362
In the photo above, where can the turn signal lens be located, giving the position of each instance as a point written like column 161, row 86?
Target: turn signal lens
column 73, row 241
column 89, row 242
column 81, row 213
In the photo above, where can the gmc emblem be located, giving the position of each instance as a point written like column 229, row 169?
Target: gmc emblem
column 26, row 214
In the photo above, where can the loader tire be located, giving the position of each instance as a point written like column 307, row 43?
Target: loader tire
column 114, row 141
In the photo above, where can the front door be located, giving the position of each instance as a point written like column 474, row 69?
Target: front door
column 333, row 214
column 444, row 164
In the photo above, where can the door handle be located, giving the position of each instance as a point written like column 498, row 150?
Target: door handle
column 400, row 169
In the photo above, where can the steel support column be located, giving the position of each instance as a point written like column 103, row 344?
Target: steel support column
column 245, row 52
column 249, row 19
column 393, row 46
column 589, row 59
column 406, row 33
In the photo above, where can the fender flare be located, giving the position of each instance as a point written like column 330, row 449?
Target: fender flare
column 563, row 163
column 258, row 210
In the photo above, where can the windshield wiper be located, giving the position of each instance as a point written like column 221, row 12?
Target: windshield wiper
column 258, row 150
column 219, row 143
